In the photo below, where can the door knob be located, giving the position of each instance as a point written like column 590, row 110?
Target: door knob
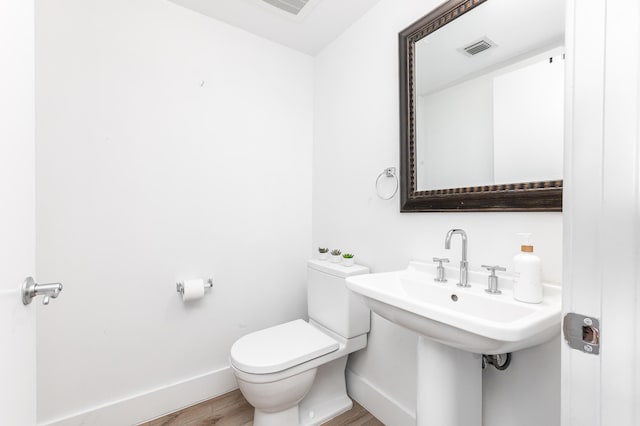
column 31, row 289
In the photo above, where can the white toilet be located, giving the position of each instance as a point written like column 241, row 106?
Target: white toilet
column 294, row 373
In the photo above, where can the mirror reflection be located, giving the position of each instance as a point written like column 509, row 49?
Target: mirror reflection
column 489, row 97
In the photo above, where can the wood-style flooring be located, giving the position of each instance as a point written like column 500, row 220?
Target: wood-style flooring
column 232, row 409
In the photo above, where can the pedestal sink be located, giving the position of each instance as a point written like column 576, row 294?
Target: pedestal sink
column 456, row 326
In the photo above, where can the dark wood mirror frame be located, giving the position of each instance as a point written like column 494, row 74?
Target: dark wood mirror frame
column 528, row 196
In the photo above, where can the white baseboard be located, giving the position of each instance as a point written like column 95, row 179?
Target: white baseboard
column 382, row 406
column 167, row 399
column 152, row 404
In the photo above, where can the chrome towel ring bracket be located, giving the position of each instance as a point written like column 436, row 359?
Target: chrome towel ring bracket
column 389, row 172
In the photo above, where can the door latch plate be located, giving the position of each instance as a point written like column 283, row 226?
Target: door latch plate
column 582, row 333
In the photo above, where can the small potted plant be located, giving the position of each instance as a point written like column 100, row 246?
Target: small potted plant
column 347, row 259
column 335, row 256
column 324, row 253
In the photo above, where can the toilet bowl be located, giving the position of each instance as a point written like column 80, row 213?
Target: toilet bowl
column 294, row 373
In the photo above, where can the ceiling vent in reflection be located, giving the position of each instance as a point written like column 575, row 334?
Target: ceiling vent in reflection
column 478, row 46
column 291, row 6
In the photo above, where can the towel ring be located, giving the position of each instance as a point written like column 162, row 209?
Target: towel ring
column 389, row 172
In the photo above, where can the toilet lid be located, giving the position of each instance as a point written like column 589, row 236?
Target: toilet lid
column 280, row 347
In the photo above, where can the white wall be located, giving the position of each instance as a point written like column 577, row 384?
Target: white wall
column 355, row 137
column 456, row 153
column 169, row 146
column 528, row 107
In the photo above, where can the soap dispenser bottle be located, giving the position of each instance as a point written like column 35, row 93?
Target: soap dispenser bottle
column 528, row 277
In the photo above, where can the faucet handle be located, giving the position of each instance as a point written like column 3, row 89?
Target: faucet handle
column 440, row 278
column 493, row 278
column 494, row 268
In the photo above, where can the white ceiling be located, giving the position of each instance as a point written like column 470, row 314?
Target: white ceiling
column 318, row 24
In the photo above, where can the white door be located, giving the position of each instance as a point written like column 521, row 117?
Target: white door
column 17, row 208
column 601, row 211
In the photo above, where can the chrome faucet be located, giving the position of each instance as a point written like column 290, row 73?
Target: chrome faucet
column 464, row 265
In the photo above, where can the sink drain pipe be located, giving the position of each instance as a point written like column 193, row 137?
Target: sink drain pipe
column 500, row 362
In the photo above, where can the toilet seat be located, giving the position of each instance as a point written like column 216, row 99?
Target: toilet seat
column 280, row 347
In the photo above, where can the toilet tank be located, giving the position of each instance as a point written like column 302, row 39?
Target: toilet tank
column 330, row 302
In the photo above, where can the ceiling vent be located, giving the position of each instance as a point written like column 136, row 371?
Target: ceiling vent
column 478, row 46
column 290, row 6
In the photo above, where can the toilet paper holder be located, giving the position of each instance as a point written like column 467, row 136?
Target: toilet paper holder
column 180, row 285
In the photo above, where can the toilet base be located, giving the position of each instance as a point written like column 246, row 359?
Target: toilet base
column 326, row 399
column 324, row 414
column 328, row 395
column 287, row 417
column 276, row 403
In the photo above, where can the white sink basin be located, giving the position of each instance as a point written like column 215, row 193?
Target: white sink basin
column 468, row 319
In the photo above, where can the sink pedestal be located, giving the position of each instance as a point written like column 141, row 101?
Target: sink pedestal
column 449, row 386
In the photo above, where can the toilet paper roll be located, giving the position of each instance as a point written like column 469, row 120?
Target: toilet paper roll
column 193, row 290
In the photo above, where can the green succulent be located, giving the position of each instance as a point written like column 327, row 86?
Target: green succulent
column 336, row 252
column 348, row 256
column 323, row 249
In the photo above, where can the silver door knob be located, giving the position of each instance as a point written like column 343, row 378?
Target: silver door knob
column 31, row 289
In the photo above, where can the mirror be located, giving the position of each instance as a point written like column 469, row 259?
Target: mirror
column 482, row 107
